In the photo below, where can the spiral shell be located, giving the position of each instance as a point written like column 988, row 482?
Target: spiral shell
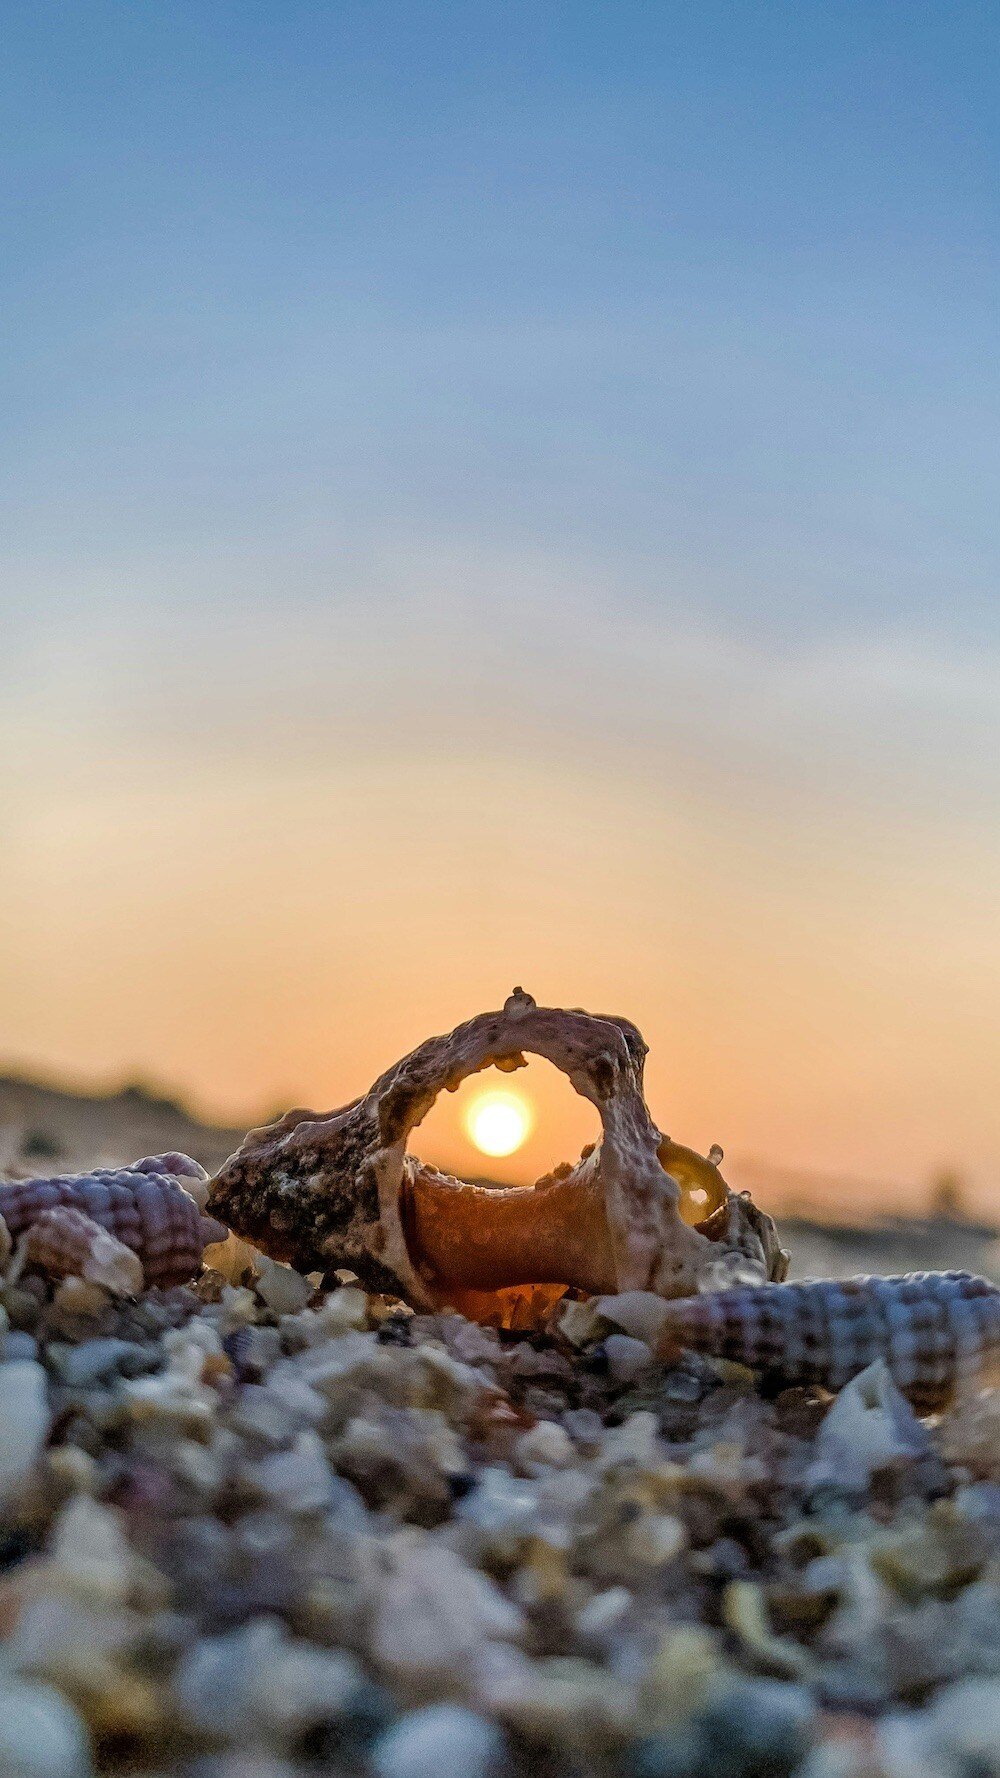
column 144, row 1206
column 933, row 1329
column 67, row 1244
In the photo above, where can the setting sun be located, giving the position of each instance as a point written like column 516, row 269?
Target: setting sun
column 498, row 1122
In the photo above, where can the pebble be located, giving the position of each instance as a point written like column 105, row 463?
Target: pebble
column 637, row 1312
column 678, row 1753
column 546, row 1446
column 90, row 1361
column 270, row 1540
column 24, row 1421
column 257, row 1677
column 686, row 1382
column 344, row 1311
column 762, row 1726
column 299, row 1479
column 274, row 1414
column 434, row 1613
column 578, row 1323
column 501, row 1512
column 439, row 1741
column 964, row 1725
column 750, row 1729
column 93, row 1554
column 604, row 1612
column 627, row 1357
column 282, row 1289
column 585, row 1428
column 40, row 1735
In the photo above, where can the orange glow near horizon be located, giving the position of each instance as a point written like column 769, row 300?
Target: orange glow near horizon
column 818, row 993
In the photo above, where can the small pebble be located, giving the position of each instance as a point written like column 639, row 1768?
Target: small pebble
column 627, row 1358
column 24, row 1421
column 91, row 1360
column 283, row 1290
column 440, row 1741
column 252, row 1530
column 41, row 1736
column 546, row 1446
column 762, row 1726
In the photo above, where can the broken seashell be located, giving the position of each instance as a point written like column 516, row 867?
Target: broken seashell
column 637, row 1212
column 935, row 1330
column 870, row 1426
column 67, row 1244
column 145, row 1207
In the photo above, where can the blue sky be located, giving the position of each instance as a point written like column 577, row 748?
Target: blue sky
column 706, row 288
column 607, row 388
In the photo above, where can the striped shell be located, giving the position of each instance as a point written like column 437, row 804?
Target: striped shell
column 144, row 1206
column 933, row 1329
column 67, row 1244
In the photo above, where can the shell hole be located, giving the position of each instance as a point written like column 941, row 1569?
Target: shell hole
column 507, row 1127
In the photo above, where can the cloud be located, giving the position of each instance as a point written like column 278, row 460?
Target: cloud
column 462, row 651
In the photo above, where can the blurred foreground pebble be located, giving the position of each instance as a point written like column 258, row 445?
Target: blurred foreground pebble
column 440, row 1741
column 252, row 1529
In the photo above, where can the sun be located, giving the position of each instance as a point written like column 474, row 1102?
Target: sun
column 498, row 1122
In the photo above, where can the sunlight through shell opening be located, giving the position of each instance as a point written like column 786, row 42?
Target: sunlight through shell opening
column 498, row 1123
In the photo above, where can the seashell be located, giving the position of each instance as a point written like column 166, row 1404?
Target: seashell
column 637, row 1212
column 935, row 1330
column 190, row 1174
column 146, row 1209
column 65, row 1243
column 178, row 1166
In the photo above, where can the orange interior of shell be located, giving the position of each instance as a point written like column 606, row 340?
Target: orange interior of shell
column 472, row 1242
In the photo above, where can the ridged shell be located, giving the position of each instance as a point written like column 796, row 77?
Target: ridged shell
column 143, row 1206
column 933, row 1329
column 67, row 1244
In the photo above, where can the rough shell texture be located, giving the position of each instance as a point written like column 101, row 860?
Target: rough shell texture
column 326, row 1191
column 65, row 1243
column 143, row 1206
column 935, row 1330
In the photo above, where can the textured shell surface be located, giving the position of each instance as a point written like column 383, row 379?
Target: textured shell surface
column 66, row 1243
column 935, row 1330
column 327, row 1190
column 144, row 1206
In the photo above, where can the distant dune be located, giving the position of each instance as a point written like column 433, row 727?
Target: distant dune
column 45, row 1129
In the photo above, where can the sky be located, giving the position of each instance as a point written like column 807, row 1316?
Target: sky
column 507, row 493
